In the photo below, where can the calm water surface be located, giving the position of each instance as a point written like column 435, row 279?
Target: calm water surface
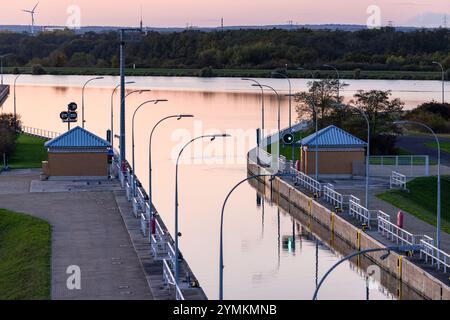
column 261, row 261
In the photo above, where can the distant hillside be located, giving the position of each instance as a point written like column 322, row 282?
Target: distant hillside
column 343, row 27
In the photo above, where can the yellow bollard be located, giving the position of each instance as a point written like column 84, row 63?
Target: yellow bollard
column 358, row 238
column 400, row 267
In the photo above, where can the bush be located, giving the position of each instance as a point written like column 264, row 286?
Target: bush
column 37, row 69
column 206, row 72
column 8, row 133
column 434, row 114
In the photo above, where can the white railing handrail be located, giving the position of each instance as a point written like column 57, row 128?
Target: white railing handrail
column 306, row 181
column 397, row 234
column 40, row 132
column 360, row 212
column 332, row 196
column 435, row 254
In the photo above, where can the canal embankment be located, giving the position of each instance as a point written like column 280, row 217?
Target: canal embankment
column 398, row 265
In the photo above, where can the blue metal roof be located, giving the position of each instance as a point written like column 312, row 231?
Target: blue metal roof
column 77, row 138
column 332, row 136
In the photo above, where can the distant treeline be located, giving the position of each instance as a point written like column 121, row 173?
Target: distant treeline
column 382, row 49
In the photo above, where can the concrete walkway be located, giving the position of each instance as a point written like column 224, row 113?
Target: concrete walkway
column 379, row 185
column 88, row 231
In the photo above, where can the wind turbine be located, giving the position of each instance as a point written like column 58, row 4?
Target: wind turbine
column 32, row 17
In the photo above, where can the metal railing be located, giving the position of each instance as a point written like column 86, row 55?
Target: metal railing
column 395, row 233
column 42, row 133
column 307, row 182
column 359, row 212
column 437, row 256
column 397, row 180
column 160, row 242
column 333, row 197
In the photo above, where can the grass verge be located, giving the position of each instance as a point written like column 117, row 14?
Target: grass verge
column 421, row 200
column 445, row 146
column 29, row 153
column 25, row 253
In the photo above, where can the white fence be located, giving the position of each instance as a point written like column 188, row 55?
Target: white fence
column 40, row 132
column 333, row 197
column 410, row 166
column 307, row 182
column 436, row 256
column 397, row 180
column 356, row 210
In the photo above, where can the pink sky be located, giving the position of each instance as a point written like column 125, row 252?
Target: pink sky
column 234, row 12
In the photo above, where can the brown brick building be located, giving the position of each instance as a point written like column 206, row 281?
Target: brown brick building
column 77, row 153
column 340, row 154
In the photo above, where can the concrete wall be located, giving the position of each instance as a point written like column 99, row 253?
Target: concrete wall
column 330, row 162
column 409, row 274
column 77, row 164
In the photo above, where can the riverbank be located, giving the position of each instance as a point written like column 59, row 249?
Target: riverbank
column 235, row 73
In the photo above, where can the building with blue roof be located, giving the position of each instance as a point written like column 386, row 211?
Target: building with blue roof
column 339, row 153
column 77, row 153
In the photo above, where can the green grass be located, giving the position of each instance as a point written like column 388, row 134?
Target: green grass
column 286, row 150
column 421, row 199
column 25, row 255
column 445, row 146
column 29, row 153
column 251, row 72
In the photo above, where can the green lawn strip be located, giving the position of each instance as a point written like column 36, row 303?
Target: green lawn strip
column 286, row 150
column 29, row 153
column 445, row 146
column 421, row 200
column 25, row 255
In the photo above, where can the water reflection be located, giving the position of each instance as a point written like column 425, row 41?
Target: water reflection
column 255, row 268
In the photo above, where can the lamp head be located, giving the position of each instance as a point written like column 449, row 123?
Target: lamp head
column 185, row 116
column 130, row 82
column 159, row 100
column 384, row 256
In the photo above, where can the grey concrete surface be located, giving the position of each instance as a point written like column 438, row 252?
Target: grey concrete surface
column 88, row 231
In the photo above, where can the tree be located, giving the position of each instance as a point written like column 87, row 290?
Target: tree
column 381, row 111
column 321, row 96
column 434, row 114
column 8, row 133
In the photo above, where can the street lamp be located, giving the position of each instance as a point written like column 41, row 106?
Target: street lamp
column 177, row 234
column 221, row 265
column 82, row 98
column 443, row 80
column 257, row 84
column 156, row 101
column 338, row 78
column 15, row 114
column 438, row 224
column 1, row 63
column 290, row 107
column 368, row 147
column 405, row 248
column 279, row 103
column 150, row 188
column 112, row 112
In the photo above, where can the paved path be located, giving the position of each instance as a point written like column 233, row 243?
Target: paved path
column 411, row 223
column 416, row 145
column 88, row 231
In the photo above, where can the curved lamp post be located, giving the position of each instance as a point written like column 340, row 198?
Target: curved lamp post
column 112, row 111
column 82, row 98
column 338, row 79
column 388, row 249
column 258, row 84
column 156, row 101
column 150, row 188
column 290, row 108
column 342, row 106
column 221, row 265
column 279, row 104
column 443, row 80
column 438, row 224
column 177, row 234
column 15, row 114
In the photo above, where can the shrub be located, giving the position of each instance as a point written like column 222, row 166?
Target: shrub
column 37, row 69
